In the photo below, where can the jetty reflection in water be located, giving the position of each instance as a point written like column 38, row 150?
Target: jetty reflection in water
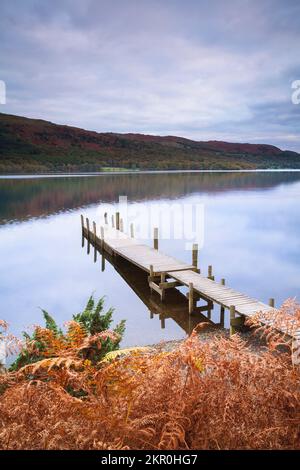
column 175, row 305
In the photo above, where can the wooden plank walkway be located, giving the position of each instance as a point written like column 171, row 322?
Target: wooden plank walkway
column 166, row 272
column 222, row 295
column 142, row 256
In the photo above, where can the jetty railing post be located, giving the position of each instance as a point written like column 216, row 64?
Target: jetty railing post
column 272, row 302
column 155, row 238
column 105, row 218
column 118, row 220
column 232, row 318
column 131, row 230
column 209, row 274
column 191, row 298
column 195, row 255
column 112, row 221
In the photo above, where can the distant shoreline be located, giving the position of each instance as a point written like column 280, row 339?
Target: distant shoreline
column 122, row 172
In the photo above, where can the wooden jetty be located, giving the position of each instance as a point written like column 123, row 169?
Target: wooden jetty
column 165, row 272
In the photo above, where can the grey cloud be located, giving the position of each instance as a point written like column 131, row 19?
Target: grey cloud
column 203, row 69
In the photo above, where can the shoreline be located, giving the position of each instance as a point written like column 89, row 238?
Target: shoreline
column 134, row 172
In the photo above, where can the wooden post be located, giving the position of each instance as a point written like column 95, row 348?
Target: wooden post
column 88, row 227
column 191, row 298
column 272, row 303
column 105, row 218
column 222, row 316
column 118, row 220
column 212, row 278
column 82, row 222
column 232, row 317
column 151, row 315
column 151, row 277
column 195, row 255
column 121, row 225
column 112, row 221
column 209, row 274
column 162, row 323
column 223, row 282
column 94, row 230
column 151, row 270
column 155, row 239
column 162, row 279
column 102, row 263
column 131, row 230
column 102, row 237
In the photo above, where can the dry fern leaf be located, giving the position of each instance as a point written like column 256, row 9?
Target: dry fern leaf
column 48, row 364
column 124, row 352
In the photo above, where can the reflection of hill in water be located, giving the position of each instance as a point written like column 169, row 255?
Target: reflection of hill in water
column 21, row 199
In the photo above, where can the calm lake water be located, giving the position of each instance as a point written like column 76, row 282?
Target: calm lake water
column 251, row 237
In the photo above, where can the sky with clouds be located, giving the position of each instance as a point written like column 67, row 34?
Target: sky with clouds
column 203, row 69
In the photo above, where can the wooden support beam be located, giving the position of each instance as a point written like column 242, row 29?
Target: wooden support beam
column 154, row 286
column 191, row 298
column 118, row 220
column 82, row 222
column 195, row 255
column 162, row 323
column 102, row 263
column 155, row 238
column 132, row 230
column 105, row 218
column 169, row 285
column 272, row 302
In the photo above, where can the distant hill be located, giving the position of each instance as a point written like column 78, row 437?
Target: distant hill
column 34, row 146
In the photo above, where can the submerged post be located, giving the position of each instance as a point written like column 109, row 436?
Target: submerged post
column 112, row 221
column 121, row 225
column 131, row 230
column 195, row 255
column 223, row 282
column 232, row 318
column 155, row 238
column 105, row 218
column 118, row 220
column 272, row 302
column 191, row 297
column 82, row 222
